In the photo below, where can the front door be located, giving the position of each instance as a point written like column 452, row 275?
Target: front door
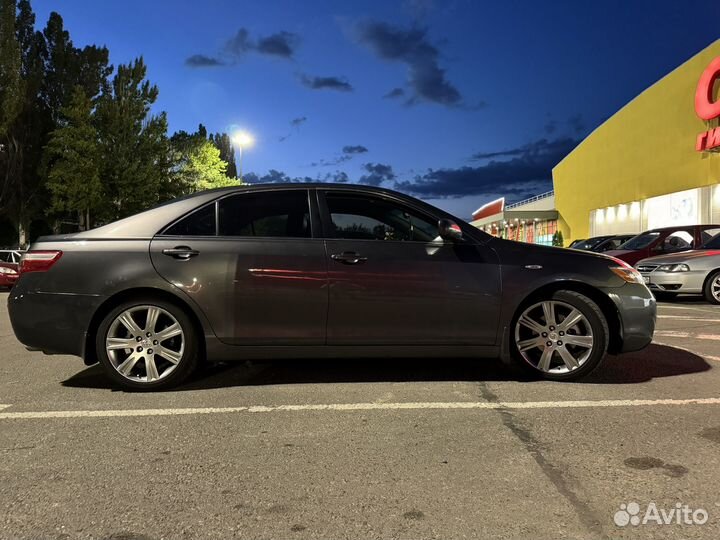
column 250, row 262
column 394, row 281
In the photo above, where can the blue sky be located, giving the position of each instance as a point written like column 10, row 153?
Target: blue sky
column 491, row 94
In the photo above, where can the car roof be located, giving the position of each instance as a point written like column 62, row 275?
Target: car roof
column 675, row 228
column 146, row 224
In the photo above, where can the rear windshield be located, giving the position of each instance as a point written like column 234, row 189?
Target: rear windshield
column 641, row 241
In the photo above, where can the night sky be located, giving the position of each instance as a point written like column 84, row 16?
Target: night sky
column 454, row 101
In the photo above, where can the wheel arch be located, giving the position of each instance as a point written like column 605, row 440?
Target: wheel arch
column 603, row 301
column 89, row 353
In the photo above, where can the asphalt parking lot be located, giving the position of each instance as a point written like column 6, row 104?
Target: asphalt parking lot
column 371, row 449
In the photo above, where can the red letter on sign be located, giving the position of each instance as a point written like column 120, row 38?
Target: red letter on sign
column 700, row 143
column 705, row 107
column 713, row 139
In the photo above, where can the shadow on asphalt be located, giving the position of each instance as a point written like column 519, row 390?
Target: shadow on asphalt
column 653, row 362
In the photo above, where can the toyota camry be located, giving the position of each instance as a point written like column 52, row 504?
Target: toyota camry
column 318, row 270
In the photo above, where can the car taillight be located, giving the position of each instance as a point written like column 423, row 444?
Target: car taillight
column 38, row 261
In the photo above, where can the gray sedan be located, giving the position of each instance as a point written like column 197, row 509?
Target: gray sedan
column 692, row 272
column 309, row 270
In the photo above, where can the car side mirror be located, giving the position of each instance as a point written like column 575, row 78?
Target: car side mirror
column 449, row 230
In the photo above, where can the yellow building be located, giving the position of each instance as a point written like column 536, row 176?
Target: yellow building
column 653, row 164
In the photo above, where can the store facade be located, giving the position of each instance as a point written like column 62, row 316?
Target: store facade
column 533, row 220
column 655, row 163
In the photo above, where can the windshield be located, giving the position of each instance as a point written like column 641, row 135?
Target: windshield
column 713, row 243
column 589, row 243
column 640, row 241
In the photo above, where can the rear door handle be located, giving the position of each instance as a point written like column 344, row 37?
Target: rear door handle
column 348, row 257
column 182, row 253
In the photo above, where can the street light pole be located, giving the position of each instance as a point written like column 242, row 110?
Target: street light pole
column 242, row 140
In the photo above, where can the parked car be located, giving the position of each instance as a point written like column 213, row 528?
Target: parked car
column 576, row 242
column 662, row 241
column 308, row 270
column 600, row 244
column 687, row 272
column 9, row 260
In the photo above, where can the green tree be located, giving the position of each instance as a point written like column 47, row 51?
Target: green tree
column 557, row 239
column 11, row 99
column 227, row 153
column 197, row 164
column 73, row 155
column 11, row 84
column 135, row 168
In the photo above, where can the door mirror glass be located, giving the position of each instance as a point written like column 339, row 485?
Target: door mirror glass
column 449, row 230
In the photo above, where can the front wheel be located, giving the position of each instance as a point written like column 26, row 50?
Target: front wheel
column 711, row 291
column 147, row 345
column 561, row 337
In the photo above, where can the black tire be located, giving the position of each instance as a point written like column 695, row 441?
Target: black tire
column 707, row 289
column 664, row 296
column 184, row 367
column 600, row 332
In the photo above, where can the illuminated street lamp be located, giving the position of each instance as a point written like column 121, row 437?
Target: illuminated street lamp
column 242, row 140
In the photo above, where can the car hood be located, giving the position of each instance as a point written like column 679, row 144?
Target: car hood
column 617, row 252
column 681, row 256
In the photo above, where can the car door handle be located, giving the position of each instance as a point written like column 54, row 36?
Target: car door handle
column 348, row 257
column 182, row 253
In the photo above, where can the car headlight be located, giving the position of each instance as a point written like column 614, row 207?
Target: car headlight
column 626, row 272
column 673, row 268
column 6, row 270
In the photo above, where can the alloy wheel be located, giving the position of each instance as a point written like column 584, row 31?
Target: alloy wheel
column 145, row 343
column 554, row 337
column 715, row 288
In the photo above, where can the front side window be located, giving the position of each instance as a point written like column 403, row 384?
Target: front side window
column 371, row 218
column 199, row 223
column 265, row 214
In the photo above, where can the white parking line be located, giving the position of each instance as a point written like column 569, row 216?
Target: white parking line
column 691, row 308
column 681, row 334
column 686, row 318
column 4, row 407
column 351, row 407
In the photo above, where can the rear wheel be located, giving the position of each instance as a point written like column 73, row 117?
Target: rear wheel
column 147, row 345
column 561, row 337
column 712, row 288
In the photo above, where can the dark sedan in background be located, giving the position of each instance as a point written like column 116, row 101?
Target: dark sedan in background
column 601, row 244
column 309, row 270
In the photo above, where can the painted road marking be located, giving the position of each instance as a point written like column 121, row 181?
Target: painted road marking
column 686, row 318
column 691, row 308
column 441, row 405
column 4, row 407
column 682, row 334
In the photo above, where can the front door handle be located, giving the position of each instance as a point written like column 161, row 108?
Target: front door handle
column 182, row 253
column 348, row 257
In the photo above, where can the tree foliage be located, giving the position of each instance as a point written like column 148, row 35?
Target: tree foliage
column 73, row 156
column 78, row 138
column 11, row 84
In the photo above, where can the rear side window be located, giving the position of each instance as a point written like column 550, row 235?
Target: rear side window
column 266, row 214
column 199, row 223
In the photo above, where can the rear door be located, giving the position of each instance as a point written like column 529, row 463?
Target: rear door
column 394, row 281
column 250, row 262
